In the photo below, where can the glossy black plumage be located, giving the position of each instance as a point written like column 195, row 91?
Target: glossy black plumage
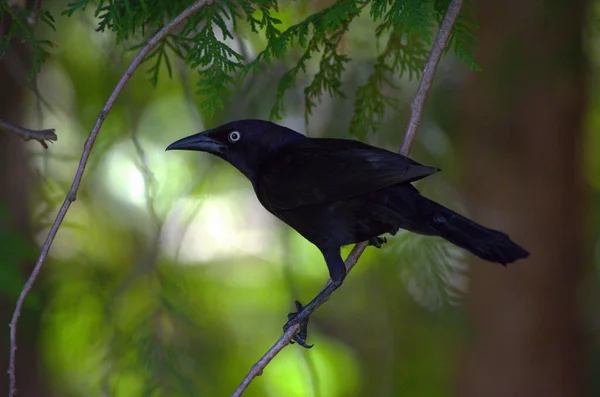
column 336, row 192
column 333, row 170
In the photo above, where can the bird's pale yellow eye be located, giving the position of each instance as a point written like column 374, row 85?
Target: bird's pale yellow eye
column 234, row 136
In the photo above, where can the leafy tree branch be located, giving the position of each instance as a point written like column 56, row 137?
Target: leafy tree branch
column 405, row 26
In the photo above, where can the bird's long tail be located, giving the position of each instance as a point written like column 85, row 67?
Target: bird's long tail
column 488, row 244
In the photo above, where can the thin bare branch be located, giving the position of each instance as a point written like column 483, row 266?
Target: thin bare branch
column 71, row 195
column 417, row 105
column 27, row 134
column 288, row 335
column 439, row 46
column 35, row 12
column 261, row 364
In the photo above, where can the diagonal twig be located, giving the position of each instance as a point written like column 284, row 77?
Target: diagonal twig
column 437, row 50
column 418, row 103
column 35, row 11
column 71, row 195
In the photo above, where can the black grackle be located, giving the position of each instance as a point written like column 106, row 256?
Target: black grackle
column 336, row 192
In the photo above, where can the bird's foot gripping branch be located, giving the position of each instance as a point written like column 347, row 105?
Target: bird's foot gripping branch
column 378, row 241
column 298, row 318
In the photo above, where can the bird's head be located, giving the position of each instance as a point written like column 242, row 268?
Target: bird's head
column 244, row 143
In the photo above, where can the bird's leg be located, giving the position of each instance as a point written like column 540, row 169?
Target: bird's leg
column 337, row 272
column 377, row 242
column 302, row 315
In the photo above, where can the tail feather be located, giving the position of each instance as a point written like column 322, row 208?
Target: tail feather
column 488, row 244
column 421, row 215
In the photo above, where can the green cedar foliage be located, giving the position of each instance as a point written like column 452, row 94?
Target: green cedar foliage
column 20, row 29
column 405, row 27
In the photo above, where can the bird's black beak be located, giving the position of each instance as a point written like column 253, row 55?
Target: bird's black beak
column 199, row 142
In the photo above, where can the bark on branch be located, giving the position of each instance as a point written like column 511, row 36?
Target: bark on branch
column 27, row 134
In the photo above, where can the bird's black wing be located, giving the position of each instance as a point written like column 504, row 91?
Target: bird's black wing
column 315, row 171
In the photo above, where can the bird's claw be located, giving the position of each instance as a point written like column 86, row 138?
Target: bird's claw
column 302, row 334
column 377, row 242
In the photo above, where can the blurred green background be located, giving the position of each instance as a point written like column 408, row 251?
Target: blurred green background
column 169, row 279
